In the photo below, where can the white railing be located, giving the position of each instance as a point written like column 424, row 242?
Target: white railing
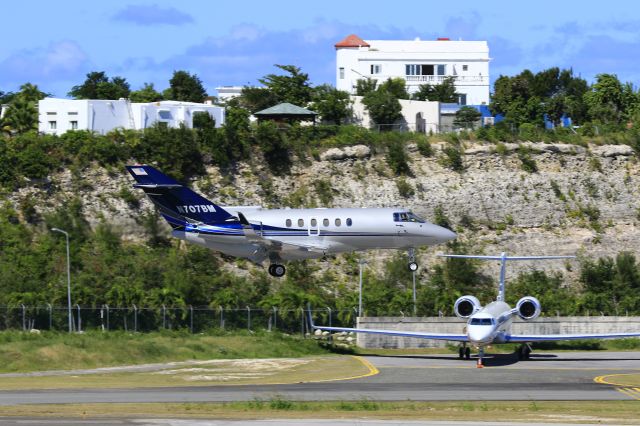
column 437, row 79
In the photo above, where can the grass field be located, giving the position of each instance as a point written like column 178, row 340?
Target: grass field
column 24, row 352
column 605, row 412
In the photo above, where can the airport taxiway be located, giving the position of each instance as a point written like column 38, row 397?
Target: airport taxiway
column 547, row 376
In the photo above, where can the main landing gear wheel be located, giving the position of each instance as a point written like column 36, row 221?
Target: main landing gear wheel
column 524, row 351
column 277, row 270
column 413, row 266
column 467, row 353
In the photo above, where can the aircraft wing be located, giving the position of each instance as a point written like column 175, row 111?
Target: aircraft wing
column 530, row 338
column 416, row 334
column 272, row 244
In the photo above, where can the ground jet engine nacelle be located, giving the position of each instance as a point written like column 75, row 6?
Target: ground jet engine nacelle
column 528, row 308
column 466, row 306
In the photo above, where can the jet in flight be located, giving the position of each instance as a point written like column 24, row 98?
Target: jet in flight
column 283, row 234
column 490, row 324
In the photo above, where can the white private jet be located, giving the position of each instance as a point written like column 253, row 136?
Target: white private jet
column 286, row 234
column 490, row 324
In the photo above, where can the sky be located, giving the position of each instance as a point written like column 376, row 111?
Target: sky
column 55, row 44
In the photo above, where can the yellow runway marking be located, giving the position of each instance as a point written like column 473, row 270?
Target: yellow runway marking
column 630, row 391
column 372, row 372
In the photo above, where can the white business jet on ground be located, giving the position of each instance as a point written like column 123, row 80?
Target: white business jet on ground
column 285, row 234
column 490, row 324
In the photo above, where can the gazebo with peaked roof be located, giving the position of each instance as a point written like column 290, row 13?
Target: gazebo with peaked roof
column 286, row 111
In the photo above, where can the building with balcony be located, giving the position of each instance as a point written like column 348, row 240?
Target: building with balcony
column 57, row 116
column 417, row 62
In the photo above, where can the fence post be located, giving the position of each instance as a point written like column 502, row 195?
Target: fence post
column 248, row 318
column 191, row 318
column 302, row 321
column 329, row 309
column 355, row 317
column 164, row 316
column 102, row 317
column 107, row 306
column 135, row 318
column 50, row 308
column 79, row 319
column 24, row 324
column 275, row 317
column 221, row 317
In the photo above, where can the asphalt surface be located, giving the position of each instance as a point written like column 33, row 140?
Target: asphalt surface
column 547, row 376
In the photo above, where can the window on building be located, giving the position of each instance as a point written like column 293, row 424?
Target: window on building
column 376, row 68
column 53, row 125
column 73, row 113
column 441, row 69
column 300, row 223
column 341, row 73
column 314, row 222
column 325, row 222
column 51, row 113
column 73, row 125
column 465, row 68
column 338, row 222
column 288, row 223
column 423, row 69
column 349, row 222
column 462, row 99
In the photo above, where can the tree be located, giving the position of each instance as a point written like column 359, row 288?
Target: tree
column 395, row 86
column 22, row 113
column 256, row 99
column 98, row 86
column 146, row 94
column 365, row 85
column 443, row 92
column 293, row 88
column 185, row 87
column 383, row 107
column 466, row 117
column 610, row 101
column 333, row 105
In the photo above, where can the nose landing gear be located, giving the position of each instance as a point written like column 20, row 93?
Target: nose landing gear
column 413, row 265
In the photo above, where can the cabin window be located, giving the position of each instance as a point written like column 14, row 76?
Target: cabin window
column 338, row 222
column 325, row 222
column 314, row 222
column 349, row 221
column 300, row 223
column 288, row 223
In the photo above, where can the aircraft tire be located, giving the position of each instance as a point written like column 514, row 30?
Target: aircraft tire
column 467, row 353
column 413, row 266
column 461, row 352
column 277, row 270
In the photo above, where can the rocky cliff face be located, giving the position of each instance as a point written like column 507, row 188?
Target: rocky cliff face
column 581, row 200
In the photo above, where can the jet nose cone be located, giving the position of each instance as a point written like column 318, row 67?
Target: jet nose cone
column 443, row 234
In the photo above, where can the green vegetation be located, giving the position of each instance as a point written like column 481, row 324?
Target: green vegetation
column 53, row 351
column 623, row 412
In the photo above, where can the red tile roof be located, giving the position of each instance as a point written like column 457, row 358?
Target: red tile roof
column 352, row 41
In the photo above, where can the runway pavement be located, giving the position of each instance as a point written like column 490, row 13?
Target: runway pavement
column 547, row 376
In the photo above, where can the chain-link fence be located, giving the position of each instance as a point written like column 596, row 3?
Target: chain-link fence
column 144, row 319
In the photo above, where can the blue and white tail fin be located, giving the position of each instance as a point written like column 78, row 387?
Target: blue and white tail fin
column 178, row 204
column 503, row 258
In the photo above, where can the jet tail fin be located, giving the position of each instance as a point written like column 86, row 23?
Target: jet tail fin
column 178, row 204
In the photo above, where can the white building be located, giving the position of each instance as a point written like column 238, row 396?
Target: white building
column 417, row 116
column 56, row 116
column 226, row 93
column 417, row 62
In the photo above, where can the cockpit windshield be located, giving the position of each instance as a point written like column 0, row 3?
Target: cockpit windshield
column 481, row 321
column 407, row 217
